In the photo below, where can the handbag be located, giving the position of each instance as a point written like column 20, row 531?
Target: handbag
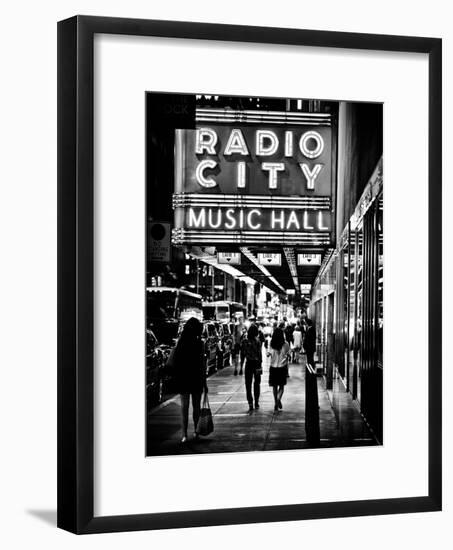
column 205, row 425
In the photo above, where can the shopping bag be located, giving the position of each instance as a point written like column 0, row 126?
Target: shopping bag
column 205, row 424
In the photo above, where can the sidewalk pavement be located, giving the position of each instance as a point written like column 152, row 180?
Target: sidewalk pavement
column 236, row 429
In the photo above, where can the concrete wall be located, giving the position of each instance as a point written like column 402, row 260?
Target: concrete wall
column 359, row 149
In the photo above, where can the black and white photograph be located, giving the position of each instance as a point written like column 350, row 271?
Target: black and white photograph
column 198, row 258
column 264, row 274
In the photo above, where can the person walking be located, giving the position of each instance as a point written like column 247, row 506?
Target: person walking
column 310, row 342
column 267, row 330
column 278, row 370
column 289, row 330
column 251, row 350
column 261, row 335
column 237, row 333
column 297, row 343
column 190, row 373
column 242, row 338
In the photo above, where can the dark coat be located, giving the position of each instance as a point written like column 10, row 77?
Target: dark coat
column 189, row 369
column 289, row 334
column 252, row 349
column 310, row 339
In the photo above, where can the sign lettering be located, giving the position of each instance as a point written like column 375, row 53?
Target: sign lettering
column 232, row 258
column 259, row 219
column 309, row 259
column 273, row 160
column 269, row 259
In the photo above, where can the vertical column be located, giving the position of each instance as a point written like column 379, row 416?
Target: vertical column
column 311, row 407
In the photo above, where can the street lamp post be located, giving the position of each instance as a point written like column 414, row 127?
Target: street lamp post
column 213, row 283
column 197, row 276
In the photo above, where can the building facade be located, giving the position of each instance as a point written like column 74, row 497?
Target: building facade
column 347, row 295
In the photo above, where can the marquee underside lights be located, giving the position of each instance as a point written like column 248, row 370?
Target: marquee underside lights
column 212, row 260
column 252, row 258
column 291, row 259
column 186, row 236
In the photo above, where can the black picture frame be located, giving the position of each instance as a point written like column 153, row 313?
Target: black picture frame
column 76, row 260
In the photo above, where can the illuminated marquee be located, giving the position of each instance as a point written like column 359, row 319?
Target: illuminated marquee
column 254, row 175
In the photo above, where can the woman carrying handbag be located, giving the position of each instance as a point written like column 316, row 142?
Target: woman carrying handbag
column 190, row 373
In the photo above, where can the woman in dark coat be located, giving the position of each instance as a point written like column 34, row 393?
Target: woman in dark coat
column 190, row 372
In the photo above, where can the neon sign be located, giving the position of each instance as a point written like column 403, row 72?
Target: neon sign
column 271, row 180
column 255, row 218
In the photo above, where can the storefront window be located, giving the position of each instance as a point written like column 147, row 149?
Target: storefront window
column 352, row 303
column 380, row 294
column 319, row 329
column 356, row 386
column 345, row 280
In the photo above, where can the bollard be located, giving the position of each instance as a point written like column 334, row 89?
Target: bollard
column 311, row 407
column 329, row 376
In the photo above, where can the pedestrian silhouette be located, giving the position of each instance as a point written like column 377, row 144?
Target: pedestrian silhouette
column 190, row 373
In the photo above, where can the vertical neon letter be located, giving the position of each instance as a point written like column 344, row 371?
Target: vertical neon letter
column 273, row 168
column 206, row 139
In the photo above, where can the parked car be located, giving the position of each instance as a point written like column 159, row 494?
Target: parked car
column 158, row 382
column 225, row 345
column 210, row 339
